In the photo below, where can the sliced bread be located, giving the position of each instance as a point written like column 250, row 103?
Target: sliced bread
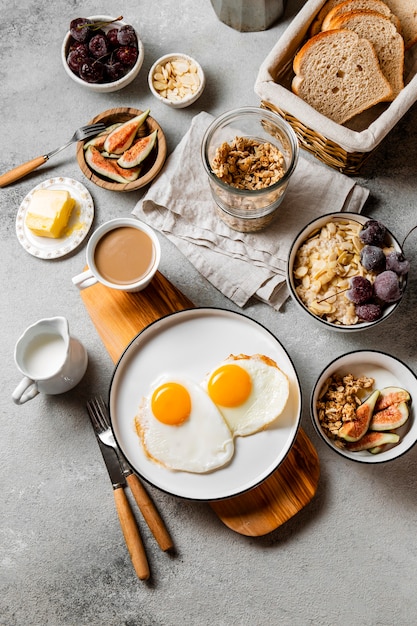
column 387, row 42
column 406, row 11
column 316, row 24
column 337, row 72
column 360, row 5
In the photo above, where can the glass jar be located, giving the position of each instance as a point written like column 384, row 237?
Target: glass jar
column 249, row 210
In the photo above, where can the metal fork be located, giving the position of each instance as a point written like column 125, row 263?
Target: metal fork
column 85, row 132
column 147, row 507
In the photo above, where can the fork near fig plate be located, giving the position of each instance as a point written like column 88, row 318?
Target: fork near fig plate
column 85, row 132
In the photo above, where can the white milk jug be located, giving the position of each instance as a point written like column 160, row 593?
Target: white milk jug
column 50, row 360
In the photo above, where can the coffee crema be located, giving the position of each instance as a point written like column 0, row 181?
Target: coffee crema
column 124, row 255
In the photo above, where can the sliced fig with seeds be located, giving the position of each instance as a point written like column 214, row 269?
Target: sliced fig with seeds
column 391, row 395
column 394, row 416
column 353, row 430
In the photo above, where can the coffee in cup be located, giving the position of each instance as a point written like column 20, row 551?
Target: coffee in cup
column 123, row 254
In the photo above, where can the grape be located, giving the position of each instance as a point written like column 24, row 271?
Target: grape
column 373, row 258
column 368, row 312
column 98, row 46
column 80, row 29
column 127, row 55
column 76, row 57
column 91, row 71
column 397, row 263
column 373, row 233
column 386, row 287
column 126, row 36
column 360, row 291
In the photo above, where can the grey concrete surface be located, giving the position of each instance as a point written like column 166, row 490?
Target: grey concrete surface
column 350, row 557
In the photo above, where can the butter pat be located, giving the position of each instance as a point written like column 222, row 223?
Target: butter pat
column 48, row 212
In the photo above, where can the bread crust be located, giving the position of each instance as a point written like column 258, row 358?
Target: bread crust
column 347, row 6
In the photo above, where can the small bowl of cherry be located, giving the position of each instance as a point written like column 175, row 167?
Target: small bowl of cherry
column 102, row 53
column 347, row 271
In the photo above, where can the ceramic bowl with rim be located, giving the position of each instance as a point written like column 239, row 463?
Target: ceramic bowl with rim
column 387, row 371
column 151, row 166
column 104, row 87
column 172, row 96
column 249, row 209
column 309, row 231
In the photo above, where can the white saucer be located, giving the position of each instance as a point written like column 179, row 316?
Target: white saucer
column 79, row 224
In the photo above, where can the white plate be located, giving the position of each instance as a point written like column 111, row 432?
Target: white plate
column 79, row 224
column 387, row 371
column 191, row 342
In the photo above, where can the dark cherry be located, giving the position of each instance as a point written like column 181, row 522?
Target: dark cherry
column 127, row 55
column 98, row 46
column 80, row 29
column 76, row 57
column 91, row 71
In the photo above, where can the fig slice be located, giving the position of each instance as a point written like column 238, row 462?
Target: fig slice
column 109, row 168
column 98, row 140
column 138, row 152
column 394, row 416
column 372, row 440
column 353, row 430
column 120, row 139
column 391, row 395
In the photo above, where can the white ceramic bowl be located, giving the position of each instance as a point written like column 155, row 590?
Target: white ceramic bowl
column 387, row 371
column 308, row 230
column 109, row 86
column 187, row 100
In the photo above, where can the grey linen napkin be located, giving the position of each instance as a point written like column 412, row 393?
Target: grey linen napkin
column 240, row 265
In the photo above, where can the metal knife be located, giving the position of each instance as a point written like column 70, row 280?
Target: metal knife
column 127, row 520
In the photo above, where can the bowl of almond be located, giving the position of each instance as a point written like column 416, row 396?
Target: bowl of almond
column 347, row 271
column 362, row 406
column 177, row 80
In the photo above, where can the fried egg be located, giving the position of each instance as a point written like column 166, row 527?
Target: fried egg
column 181, row 428
column 249, row 391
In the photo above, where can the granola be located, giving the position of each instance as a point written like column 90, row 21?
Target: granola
column 248, row 163
column 338, row 400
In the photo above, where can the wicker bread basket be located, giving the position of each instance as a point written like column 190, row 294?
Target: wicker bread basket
column 343, row 147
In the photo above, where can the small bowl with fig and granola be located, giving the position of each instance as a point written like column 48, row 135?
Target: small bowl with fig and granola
column 362, row 406
column 347, row 271
column 249, row 155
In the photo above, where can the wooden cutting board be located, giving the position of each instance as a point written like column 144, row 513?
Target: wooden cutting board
column 118, row 317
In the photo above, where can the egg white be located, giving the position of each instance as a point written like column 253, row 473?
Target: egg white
column 200, row 444
column 266, row 401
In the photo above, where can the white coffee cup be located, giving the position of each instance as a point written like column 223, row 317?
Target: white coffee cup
column 123, row 253
column 50, row 360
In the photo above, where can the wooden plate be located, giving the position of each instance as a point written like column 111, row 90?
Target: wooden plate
column 153, row 163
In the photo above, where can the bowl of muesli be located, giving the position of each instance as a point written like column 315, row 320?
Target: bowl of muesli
column 347, row 271
column 362, row 406
column 249, row 155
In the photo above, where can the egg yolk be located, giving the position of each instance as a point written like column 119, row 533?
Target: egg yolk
column 171, row 404
column 230, row 385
